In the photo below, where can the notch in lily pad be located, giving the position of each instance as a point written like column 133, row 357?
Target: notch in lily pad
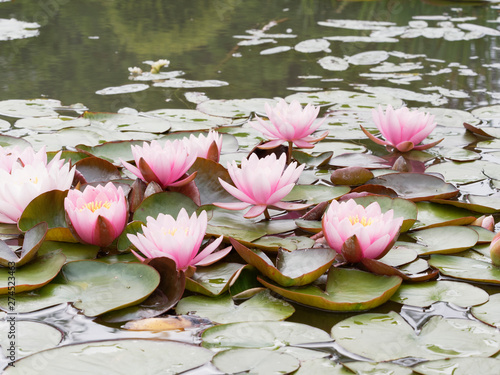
column 33, row 239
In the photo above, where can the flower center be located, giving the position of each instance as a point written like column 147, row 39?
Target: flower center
column 94, row 206
column 364, row 221
column 173, row 231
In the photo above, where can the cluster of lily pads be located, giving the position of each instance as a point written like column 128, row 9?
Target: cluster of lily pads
column 123, row 243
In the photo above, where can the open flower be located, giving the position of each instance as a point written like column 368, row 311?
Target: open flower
column 357, row 232
column 262, row 183
column 98, row 215
column 165, row 165
column 402, row 129
column 206, row 147
column 289, row 123
column 29, row 177
column 179, row 240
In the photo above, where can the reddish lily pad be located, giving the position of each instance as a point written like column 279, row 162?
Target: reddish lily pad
column 346, row 290
column 293, row 268
column 416, row 186
column 95, row 169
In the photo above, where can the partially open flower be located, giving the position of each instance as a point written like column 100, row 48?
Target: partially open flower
column 290, row 123
column 206, row 147
column 402, row 129
column 165, row 165
column 262, row 183
column 178, row 239
column 487, row 222
column 30, row 176
column 157, row 65
column 357, row 232
column 495, row 250
column 98, row 214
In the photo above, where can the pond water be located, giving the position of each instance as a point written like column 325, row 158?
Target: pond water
column 430, row 54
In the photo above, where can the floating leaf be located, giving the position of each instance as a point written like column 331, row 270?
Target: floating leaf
column 460, row 173
column 255, row 361
column 431, row 215
column 116, row 356
column 34, row 275
column 213, row 280
column 261, row 335
column 33, row 239
column 363, row 367
column 314, row 194
column 234, row 108
column 112, row 151
column 19, row 108
column 425, row 294
column 386, row 337
column 464, row 268
column 489, row 313
column 346, row 99
column 355, row 160
column 321, row 366
column 312, row 45
column 457, row 239
column 96, row 169
column 291, row 243
column 72, row 251
column 28, row 337
column 168, row 203
column 125, row 89
column 293, row 268
column 260, row 307
column 459, row 366
column 370, row 291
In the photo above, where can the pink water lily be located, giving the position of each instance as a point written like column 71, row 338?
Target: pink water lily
column 178, row 239
column 206, row 147
column 402, row 129
column 29, row 176
column 290, row 123
column 262, row 183
column 357, row 232
column 98, row 214
column 495, row 250
column 11, row 155
column 165, row 165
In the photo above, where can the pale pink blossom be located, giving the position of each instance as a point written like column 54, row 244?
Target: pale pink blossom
column 402, row 129
column 98, row 214
column 29, row 179
column 262, row 183
column 375, row 232
column 495, row 250
column 165, row 165
column 487, row 222
column 290, row 123
column 11, row 155
column 178, row 239
column 201, row 145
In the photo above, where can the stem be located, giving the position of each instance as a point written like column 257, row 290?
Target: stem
column 266, row 214
column 289, row 155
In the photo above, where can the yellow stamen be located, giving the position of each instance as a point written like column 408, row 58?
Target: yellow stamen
column 364, row 221
column 173, row 231
column 93, row 206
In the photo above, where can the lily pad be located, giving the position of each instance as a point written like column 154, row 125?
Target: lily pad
column 370, row 291
column 116, row 356
column 19, row 108
column 293, row 268
column 34, row 275
column 124, row 122
column 425, row 294
column 223, row 310
column 467, row 269
column 112, row 151
column 33, row 239
column 459, row 366
column 477, row 203
column 72, row 251
column 333, row 63
column 445, row 240
column 460, row 173
column 261, row 335
column 168, row 203
column 124, row 89
column 363, row 367
column 255, row 361
column 29, row 337
column 489, row 313
column 312, row 45
column 431, row 215
column 213, row 280
column 387, row 337
column 93, row 286
column 234, row 108
column 322, row 366
column 314, row 194
column 355, row 160
column 291, row 243
column 416, row 186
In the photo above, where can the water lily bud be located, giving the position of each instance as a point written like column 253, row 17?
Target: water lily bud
column 487, row 222
column 495, row 250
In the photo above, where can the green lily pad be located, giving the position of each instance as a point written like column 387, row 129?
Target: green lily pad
column 261, row 306
column 255, row 361
column 467, row 269
column 293, row 268
column 416, row 186
column 445, row 240
column 45, row 124
column 362, row 367
column 460, row 173
column 402, row 208
column 477, row 203
column 33, row 275
column 115, row 356
column 95, row 169
column 234, row 108
column 386, row 337
column 7, row 140
column 485, row 235
column 425, row 294
column 189, row 119
column 112, row 151
column 450, row 117
column 93, row 286
column 314, row 194
column 19, row 108
column 346, row 99
column 315, row 159
column 313, row 226
column 355, row 160
column 72, row 251
column 273, row 243
column 33, row 239
column 261, row 335
column 398, row 257
column 29, row 337
column 487, row 113
column 134, row 227
column 125, row 122
column 370, row 291
column 489, row 313
column 416, row 267
column 213, row 280
column 431, row 215
column 459, row 366
column 207, row 181
column 321, row 366
column 168, row 202
column 460, row 154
